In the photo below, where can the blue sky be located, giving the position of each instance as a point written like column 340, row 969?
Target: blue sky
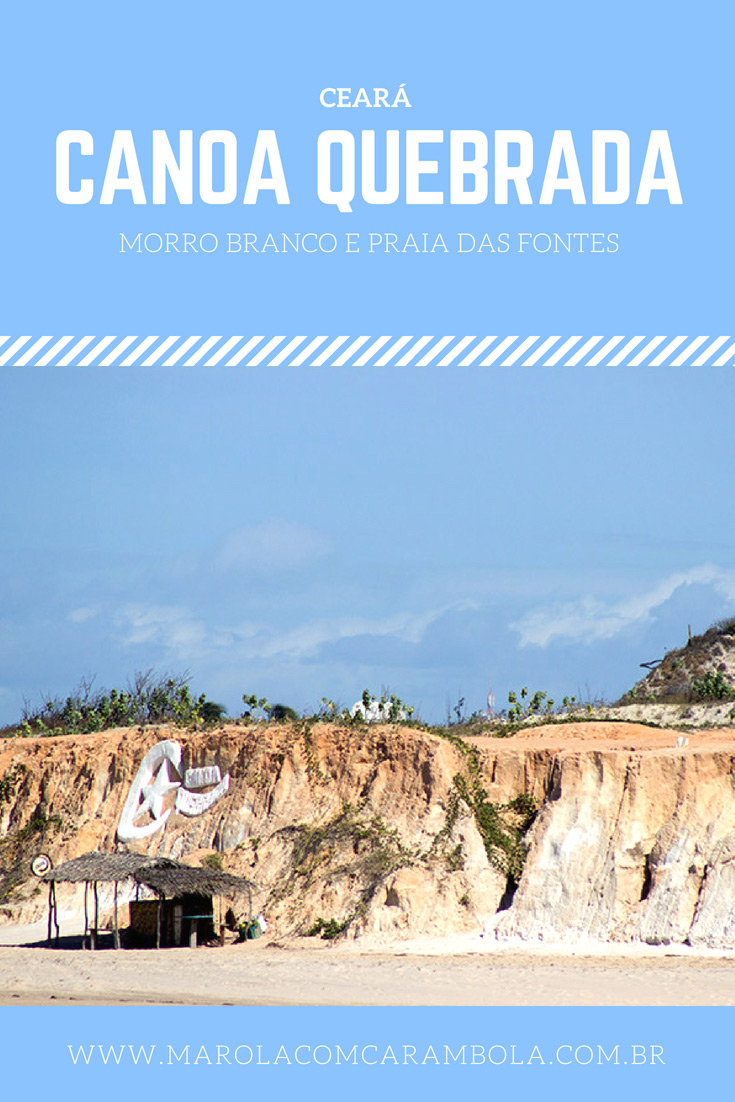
column 300, row 532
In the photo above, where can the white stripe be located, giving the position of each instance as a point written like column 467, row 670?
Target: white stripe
column 394, row 349
column 222, row 352
column 266, row 350
column 458, row 348
column 541, row 351
column 35, row 347
column 568, row 343
column 138, row 352
column 400, row 351
column 519, row 351
column 242, row 352
column 96, row 351
column 670, row 347
column 725, row 356
column 117, row 351
column 160, row 351
column 690, row 348
column 357, row 343
column 15, row 346
column 75, row 350
column 202, row 351
column 329, row 351
column 285, row 351
column 181, row 351
column 646, row 351
column 371, row 350
column 414, row 351
column 710, row 351
column 311, row 347
column 476, row 351
column 434, row 351
column 586, row 347
column 606, row 348
column 496, row 352
column 625, row 351
column 53, row 350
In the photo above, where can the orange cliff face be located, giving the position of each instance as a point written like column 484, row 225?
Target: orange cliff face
column 385, row 829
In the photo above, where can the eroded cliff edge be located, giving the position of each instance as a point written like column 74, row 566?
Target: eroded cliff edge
column 380, row 829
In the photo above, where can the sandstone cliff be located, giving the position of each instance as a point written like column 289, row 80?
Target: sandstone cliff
column 632, row 844
column 394, row 832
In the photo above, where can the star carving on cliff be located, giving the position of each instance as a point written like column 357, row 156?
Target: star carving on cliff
column 155, row 793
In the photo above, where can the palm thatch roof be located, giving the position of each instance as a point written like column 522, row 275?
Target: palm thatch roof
column 173, row 878
column 163, row 875
column 102, row 867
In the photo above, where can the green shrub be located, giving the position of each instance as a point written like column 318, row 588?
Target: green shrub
column 10, row 781
column 213, row 861
column 213, row 713
column 329, row 928
column 147, row 700
column 254, row 704
column 712, row 686
column 281, row 713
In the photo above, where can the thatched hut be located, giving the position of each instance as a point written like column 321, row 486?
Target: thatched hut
column 182, row 911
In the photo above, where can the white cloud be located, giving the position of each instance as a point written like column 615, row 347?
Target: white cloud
column 271, row 545
column 168, row 626
column 177, row 628
column 307, row 638
column 588, row 619
column 81, row 615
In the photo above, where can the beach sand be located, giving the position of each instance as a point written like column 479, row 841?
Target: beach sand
column 465, row 970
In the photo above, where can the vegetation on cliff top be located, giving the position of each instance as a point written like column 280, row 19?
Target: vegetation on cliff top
column 148, row 699
column 701, row 672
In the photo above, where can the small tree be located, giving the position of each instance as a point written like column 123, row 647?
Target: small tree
column 255, row 704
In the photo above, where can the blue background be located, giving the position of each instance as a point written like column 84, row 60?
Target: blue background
column 244, row 67
column 696, row 1044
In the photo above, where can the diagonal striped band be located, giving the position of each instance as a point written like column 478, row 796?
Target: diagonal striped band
column 423, row 351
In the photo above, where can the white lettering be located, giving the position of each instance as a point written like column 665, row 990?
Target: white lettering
column 459, row 167
column 266, row 146
column 64, row 191
column 122, row 152
column 207, row 142
column 562, row 147
column 416, row 168
column 601, row 139
column 342, row 197
column 165, row 164
column 659, row 146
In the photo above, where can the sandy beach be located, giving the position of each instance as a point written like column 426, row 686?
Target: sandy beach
column 465, row 970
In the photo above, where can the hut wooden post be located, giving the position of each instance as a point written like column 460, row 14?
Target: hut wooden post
column 96, row 915
column 86, row 915
column 50, row 897
column 115, row 927
column 56, row 918
column 158, row 923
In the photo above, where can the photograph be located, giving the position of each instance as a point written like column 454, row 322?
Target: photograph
column 367, row 567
